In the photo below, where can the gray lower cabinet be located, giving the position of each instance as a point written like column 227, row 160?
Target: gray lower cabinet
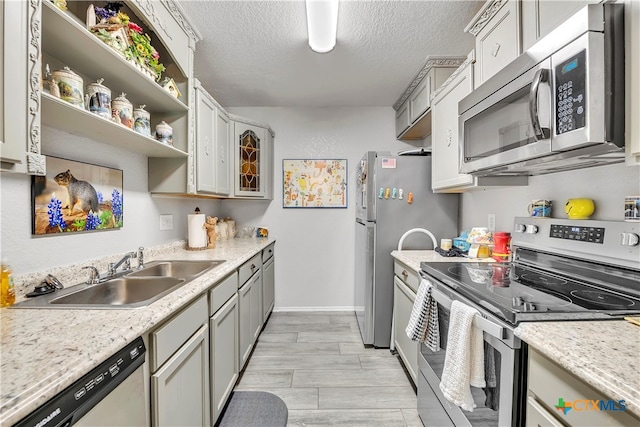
column 224, row 327
column 180, row 389
column 250, row 312
column 244, row 314
column 249, row 306
column 179, row 363
column 268, row 288
column 256, row 319
column 403, row 299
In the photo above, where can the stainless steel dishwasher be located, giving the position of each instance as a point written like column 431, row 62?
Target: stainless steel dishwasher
column 112, row 394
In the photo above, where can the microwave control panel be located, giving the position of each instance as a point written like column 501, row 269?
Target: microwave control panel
column 571, row 102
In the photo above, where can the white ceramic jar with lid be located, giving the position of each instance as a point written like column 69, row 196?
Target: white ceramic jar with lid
column 69, row 86
column 122, row 110
column 142, row 121
column 164, row 133
column 98, row 99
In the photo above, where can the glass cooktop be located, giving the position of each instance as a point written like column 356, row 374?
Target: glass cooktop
column 517, row 293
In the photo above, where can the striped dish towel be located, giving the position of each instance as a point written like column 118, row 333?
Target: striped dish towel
column 423, row 323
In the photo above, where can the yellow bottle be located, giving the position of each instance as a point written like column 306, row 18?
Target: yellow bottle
column 7, row 292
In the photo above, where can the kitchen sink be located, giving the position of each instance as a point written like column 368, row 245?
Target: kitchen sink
column 121, row 291
column 132, row 289
column 175, row 268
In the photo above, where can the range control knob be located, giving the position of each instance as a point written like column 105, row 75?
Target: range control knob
column 629, row 239
column 531, row 229
column 520, row 228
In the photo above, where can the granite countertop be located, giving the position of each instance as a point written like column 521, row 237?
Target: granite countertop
column 412, row 259
column 43, row 351
column 604, row 354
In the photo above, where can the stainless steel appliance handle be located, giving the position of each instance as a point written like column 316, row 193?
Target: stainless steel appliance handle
column 481, row 323
column 542, row 75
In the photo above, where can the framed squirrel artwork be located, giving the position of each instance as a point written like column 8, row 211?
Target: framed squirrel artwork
column 76, row 197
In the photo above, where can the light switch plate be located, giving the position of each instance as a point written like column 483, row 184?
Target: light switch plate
column 491, row 222
column 166, row 222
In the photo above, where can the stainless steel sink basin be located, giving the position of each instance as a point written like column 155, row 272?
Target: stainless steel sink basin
column 121, row 291
column 130, row 290
column 175, row 268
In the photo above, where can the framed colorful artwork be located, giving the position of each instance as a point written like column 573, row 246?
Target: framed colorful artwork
column 314, row 183
column 76, row 197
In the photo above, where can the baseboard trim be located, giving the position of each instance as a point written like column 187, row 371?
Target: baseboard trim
column 311, row 309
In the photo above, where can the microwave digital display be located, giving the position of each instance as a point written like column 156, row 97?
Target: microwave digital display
column 571, row 98
column 570, row 66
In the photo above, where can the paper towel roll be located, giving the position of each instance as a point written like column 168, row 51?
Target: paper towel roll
column 196, row 230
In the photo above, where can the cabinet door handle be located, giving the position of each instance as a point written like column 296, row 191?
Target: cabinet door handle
column 405, row 273
column 253, row 267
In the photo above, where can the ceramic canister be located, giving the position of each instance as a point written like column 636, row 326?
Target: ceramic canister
column 142, row 121
column 122, row 111
column 164, row 133
column 98, row 99
column 70, row 86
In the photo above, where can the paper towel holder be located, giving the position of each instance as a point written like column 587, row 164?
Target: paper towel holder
column 192, row 233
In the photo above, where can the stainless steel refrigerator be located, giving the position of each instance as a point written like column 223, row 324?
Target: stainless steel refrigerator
column 393, row 196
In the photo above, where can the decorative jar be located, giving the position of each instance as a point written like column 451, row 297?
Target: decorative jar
column 164, row 133
column 122, row 111
column 98, row 99
column 70, row 86
column 142, row 121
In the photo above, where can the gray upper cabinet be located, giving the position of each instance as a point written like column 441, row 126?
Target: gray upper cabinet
column 539, row 17
column 253, row 159
column 212, row 145
column 496, row 28
column 413, row 108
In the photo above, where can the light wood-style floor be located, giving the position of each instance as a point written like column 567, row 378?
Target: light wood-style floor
column 317, row 364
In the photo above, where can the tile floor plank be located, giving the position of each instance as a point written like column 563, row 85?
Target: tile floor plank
column 346, row 418
column 317, row 364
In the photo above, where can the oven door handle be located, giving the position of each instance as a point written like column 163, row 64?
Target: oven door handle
column 481, row 323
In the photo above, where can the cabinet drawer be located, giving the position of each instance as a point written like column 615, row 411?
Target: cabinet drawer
column 248, row 269
column 169, row 337
column 267, row 253
column 222, row 292
column 548, row 382
column 409, row 276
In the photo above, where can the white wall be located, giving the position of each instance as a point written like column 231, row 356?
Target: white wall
column 27, row 253
column 315, row 247
column 606, row 185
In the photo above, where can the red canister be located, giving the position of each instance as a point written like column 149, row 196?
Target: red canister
column 501, row 242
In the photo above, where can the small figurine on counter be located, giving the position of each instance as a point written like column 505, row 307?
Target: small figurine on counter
column 210, row 225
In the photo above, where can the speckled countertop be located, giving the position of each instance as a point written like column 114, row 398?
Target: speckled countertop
column 604, row 354
column 412, row 259
column 43, row 351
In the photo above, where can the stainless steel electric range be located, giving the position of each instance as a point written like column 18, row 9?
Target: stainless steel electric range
column 560, row 270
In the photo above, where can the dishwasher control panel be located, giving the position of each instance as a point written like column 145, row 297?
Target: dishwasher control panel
column 76, row 400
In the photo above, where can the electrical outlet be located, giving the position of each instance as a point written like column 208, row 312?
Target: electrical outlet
column 166, row 222
column 491, row 222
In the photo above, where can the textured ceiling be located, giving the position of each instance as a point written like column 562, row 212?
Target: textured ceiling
column 255, row 53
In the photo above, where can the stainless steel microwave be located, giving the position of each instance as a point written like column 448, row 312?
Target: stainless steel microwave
column 558, row 106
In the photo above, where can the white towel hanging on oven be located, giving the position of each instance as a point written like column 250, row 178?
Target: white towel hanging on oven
column 464, row 359
column 423, row 323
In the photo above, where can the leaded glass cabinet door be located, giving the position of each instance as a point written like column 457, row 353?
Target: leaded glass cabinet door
column 250, row 158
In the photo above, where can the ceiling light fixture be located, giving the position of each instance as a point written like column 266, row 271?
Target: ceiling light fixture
column 322, row 24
